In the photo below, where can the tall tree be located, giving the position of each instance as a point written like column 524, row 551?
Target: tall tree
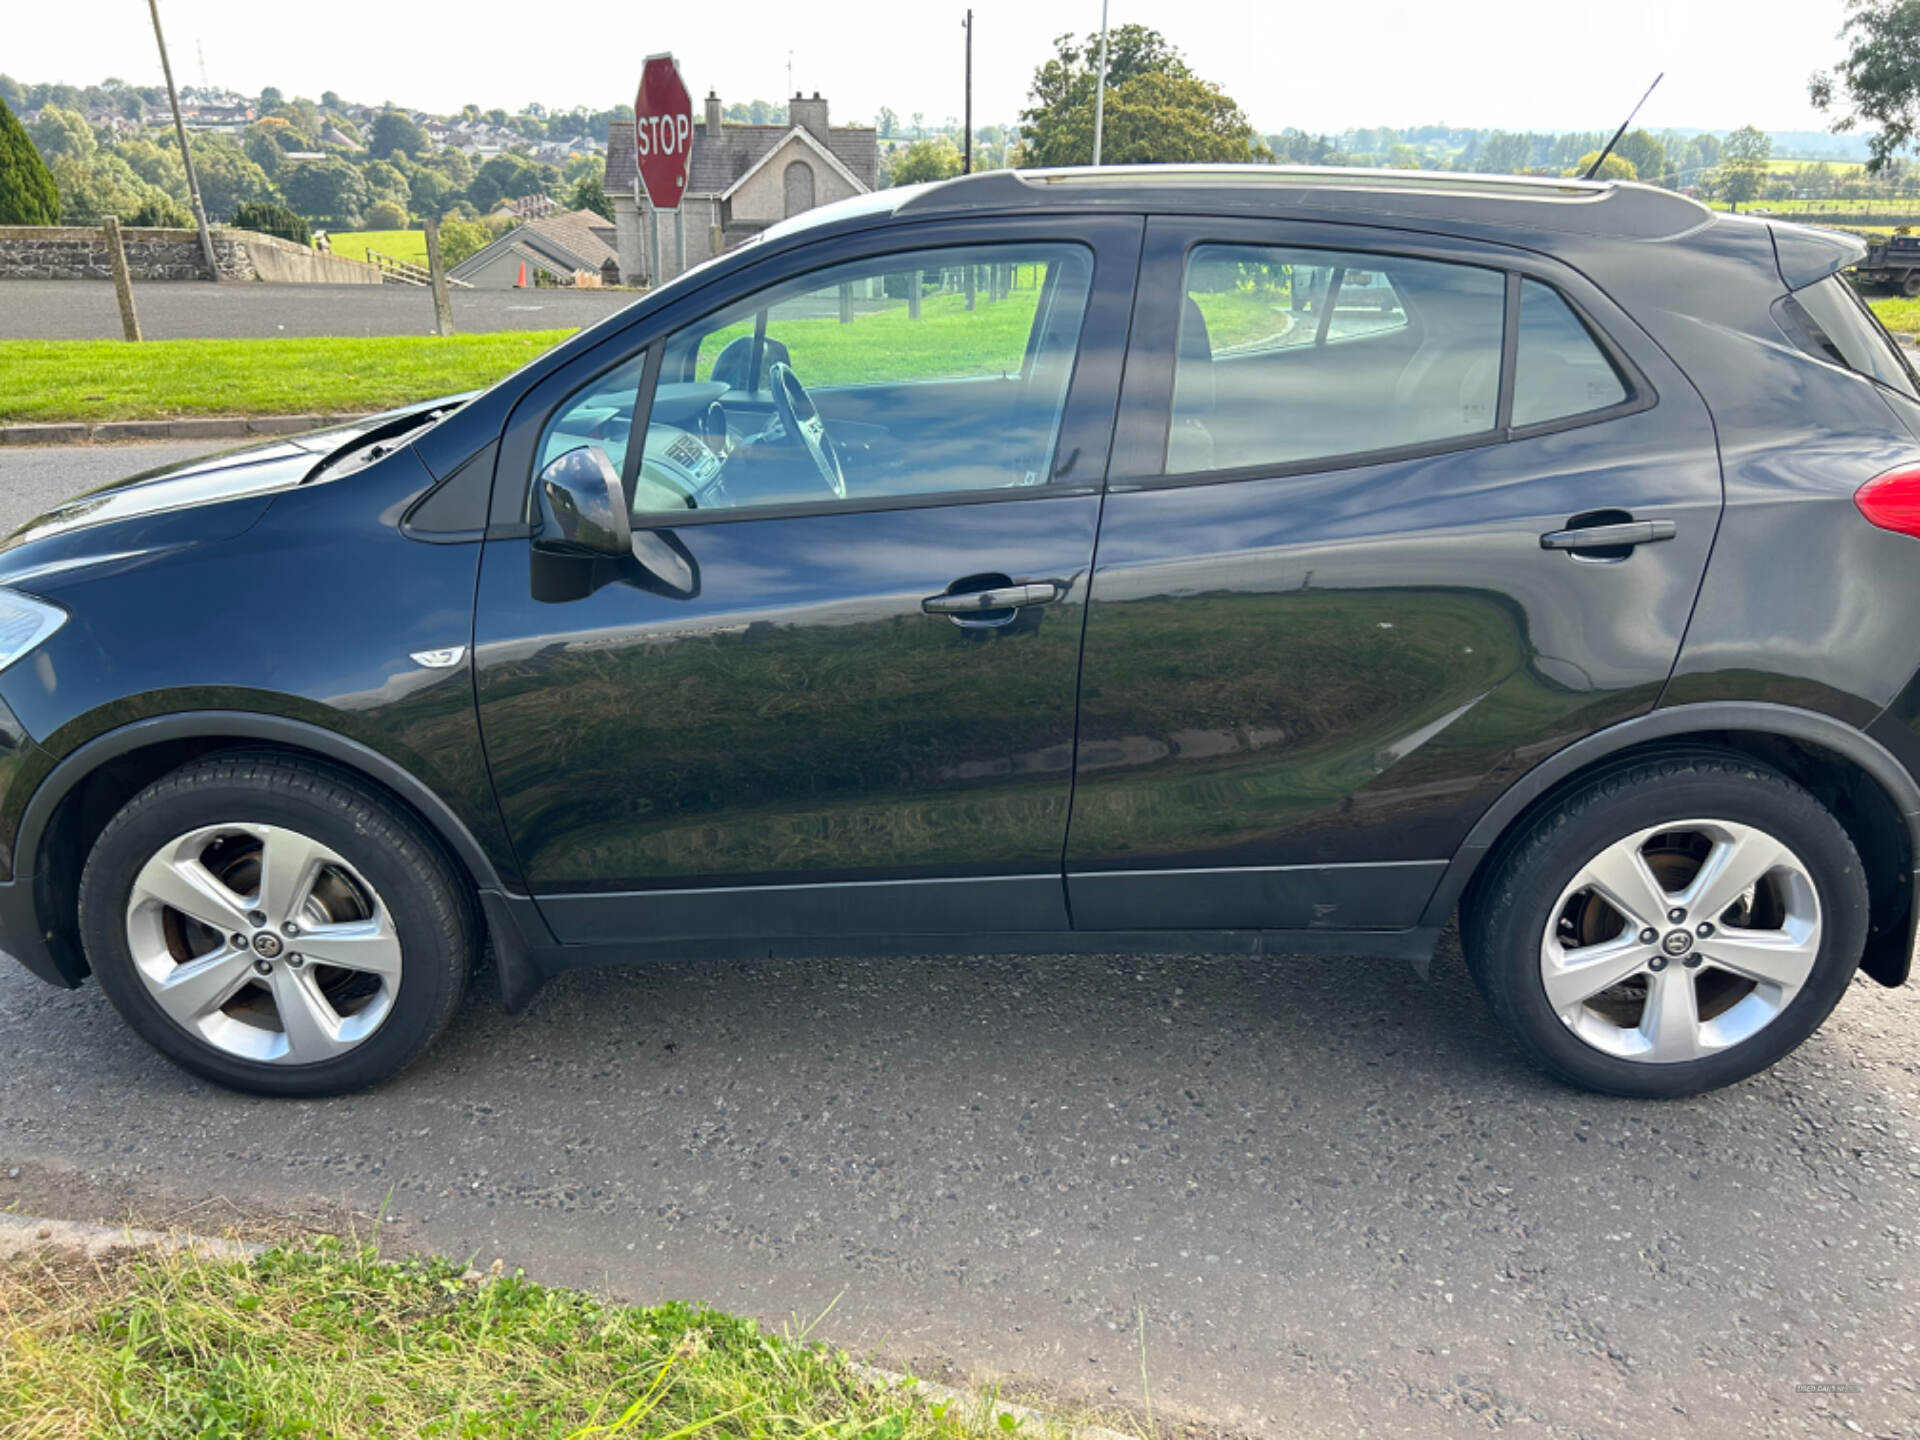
column 394, row 132
column 1646, row 154
column 1879, row 80
column 28, row 195
column 1157, row 110
column 1743, row 164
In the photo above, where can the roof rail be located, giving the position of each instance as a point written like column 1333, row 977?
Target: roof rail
column 1630, row 211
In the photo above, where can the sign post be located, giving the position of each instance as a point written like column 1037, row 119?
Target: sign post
column 663, row 140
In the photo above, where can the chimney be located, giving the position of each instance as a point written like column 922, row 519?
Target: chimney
column 809, row 115
column 713, row 115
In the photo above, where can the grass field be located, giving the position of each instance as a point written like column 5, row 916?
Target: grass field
column 338, row 1343
column 1897, row 313
column 111, row 380
column 410, row 245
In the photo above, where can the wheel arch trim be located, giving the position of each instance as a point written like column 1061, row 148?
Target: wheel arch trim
column 1746, row 717
column 247, row 725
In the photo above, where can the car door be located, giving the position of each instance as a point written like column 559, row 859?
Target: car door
column 795, row 709
column 1392, row 518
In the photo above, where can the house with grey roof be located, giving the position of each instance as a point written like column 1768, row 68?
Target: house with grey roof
column 561, row 247
column 740, row 179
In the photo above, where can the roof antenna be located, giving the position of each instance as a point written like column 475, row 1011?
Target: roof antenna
column 1601, row 158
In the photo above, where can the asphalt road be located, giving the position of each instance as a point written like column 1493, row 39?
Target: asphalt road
column 1300, row 1196
column 86, row 310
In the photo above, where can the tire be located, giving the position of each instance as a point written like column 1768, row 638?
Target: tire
column 1545, row 917
column 1909, row 284
column 389, row 920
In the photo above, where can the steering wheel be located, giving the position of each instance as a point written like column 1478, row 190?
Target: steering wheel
column 802, row 422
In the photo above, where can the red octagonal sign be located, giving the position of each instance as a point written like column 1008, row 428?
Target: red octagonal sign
column 663, row 131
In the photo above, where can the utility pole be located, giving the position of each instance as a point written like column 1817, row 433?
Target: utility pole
column 1100, row 87
column 966, row 164
column 186, row 158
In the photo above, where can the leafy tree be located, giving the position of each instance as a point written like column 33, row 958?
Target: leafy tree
column 505, row 177
column 160, row 211
column 1616, row 166
column 61, row 133
column 1879, row 80
column 101, row 185
column 461, row 238
column 28, row 195
column 1403, row 157
column 228, row 178
column 385, row 182
column 11, row 94
column 386, row 215
column 431, row 190
column 885, row 123
column 330, row 100
column 1743, row 165
column 269, row 217
column 394, row 132
column 1504, row 153
column 1157, row 109
column 1703, row 153
column 582, row 166
column 1646, row 154
column 271, row 97
column 925, row 160
column 329, row 190
column 589, row 192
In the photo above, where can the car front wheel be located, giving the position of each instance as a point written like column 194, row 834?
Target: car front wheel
column 1670, row 927
column 275, row 926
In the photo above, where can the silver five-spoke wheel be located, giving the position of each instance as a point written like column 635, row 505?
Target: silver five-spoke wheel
column 264, row 943
column 1679, row 941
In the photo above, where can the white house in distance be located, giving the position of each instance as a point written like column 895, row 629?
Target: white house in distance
column 741, row 179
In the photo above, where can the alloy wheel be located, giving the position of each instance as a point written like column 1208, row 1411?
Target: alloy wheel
column 1679, row 941
column 263, row 943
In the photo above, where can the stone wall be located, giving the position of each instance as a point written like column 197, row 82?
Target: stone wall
column 76, row 252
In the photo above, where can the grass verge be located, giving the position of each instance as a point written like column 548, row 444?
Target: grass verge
column 1897, row 313
column 335, row 1341
column 160, row 379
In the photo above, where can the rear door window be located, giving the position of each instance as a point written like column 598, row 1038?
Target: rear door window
column 1288, row 355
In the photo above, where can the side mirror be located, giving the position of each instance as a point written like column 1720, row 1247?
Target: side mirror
column 582, row 507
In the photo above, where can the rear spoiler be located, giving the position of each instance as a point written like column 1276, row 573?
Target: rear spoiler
column 1805, row 254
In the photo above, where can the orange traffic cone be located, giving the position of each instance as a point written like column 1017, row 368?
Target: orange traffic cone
column 521, row 283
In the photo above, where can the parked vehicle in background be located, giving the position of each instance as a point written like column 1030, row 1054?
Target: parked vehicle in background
column 1892, row 264
column 1172, row 559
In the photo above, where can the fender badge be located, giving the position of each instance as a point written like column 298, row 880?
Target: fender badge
column 439, row 659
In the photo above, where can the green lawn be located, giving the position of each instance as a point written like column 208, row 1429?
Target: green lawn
column 409, row 245
column 1897, row 313
column 337, row 1343
column 111, row 380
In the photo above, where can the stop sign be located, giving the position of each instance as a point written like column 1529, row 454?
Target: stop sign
column 663, row 131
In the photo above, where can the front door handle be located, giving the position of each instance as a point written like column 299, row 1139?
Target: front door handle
column 1001, row 597
column 1625, row 533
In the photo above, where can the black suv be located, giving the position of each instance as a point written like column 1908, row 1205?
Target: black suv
column 1209, row 559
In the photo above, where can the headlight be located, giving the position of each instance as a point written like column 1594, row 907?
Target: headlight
column 24, row 623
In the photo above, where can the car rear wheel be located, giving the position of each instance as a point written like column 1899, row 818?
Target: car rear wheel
column 1671, row 927
column 275, row 926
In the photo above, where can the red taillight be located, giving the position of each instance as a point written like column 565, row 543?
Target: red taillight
column 1892, row 500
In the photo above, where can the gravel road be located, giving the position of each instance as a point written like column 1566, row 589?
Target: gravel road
column 1300, row 1196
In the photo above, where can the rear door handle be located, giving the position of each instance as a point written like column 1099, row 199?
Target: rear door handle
column 1601, row 537
column 1002, row 597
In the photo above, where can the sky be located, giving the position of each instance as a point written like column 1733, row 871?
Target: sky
column 1514, row 64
